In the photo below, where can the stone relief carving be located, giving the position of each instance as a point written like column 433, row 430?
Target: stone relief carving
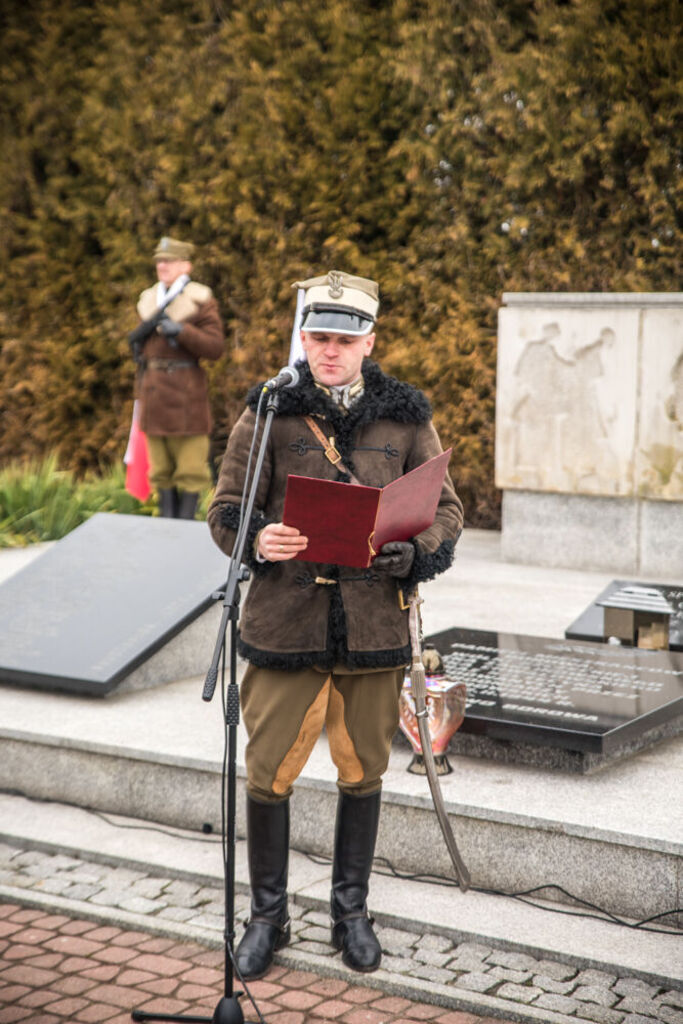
column 562, row 414
column 661, row 465
column 590, row 399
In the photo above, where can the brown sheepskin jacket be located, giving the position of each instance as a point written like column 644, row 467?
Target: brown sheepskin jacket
column 174, row 400
column 288, row 620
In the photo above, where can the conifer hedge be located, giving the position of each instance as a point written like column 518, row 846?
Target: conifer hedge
column 453, row 150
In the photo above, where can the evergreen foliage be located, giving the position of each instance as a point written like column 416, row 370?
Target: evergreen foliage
column 451, row 150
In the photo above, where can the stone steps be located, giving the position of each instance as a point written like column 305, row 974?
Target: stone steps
column 472, row 952
column 514, row 845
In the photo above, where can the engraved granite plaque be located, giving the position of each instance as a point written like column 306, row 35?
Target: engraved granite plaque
column 590, row 623
column 561, row 693
column 102, row 600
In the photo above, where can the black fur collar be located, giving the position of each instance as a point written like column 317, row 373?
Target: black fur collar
column 384, row 398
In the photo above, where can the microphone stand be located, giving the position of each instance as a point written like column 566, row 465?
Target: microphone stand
column 228, row 1009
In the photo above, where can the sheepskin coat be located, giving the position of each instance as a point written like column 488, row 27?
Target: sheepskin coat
column 174, row 399
column 289, row 620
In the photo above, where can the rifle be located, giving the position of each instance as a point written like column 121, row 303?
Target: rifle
column 138, row 336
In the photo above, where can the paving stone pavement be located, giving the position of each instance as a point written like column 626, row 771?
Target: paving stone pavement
column 76, row 943
column 54, row 968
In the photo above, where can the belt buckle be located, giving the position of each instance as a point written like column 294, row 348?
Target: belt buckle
column 333, row 455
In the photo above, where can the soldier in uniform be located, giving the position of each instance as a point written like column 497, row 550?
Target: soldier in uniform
column 172, row 386
column 326, row 645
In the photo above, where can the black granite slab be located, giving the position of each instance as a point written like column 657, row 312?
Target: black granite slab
column 589, row 625
column 560, row 693
column 95, row 605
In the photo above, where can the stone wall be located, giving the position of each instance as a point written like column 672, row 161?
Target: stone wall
column 589, row 430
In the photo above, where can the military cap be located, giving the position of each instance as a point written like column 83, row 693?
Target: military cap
column 172, row 249
column 339, row 303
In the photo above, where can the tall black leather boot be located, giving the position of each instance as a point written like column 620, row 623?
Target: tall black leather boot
column 187, row 504
column 354, row 848
column 268, row 853
column 168, row 502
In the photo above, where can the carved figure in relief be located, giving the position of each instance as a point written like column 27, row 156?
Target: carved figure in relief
column 674, row 405
column 542, row 377
column 589, row 455
column 662, row 474
column 563, row 416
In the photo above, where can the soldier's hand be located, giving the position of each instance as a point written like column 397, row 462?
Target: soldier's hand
column 279, row 543
column 170, row 328
column 396, row 558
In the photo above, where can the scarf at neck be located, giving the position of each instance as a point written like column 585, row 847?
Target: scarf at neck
column 345, row 396
column 167, row 296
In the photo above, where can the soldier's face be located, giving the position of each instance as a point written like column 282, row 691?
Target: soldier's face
column 169, row 270
column 336, row 359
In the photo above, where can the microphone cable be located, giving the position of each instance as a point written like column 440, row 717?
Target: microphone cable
column 383, row 866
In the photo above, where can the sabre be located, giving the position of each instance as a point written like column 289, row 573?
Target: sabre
column 419, row 691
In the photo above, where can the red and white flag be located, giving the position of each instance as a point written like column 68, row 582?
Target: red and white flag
column 136, row 459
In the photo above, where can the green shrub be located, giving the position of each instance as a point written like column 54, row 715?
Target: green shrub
column 451, row 150
column 39, row 502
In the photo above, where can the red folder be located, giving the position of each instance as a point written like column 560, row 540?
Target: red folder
column 347, row 524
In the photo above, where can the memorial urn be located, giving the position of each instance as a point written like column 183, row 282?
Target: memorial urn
column 445, row 703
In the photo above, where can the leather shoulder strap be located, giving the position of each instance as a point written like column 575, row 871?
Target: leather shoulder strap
column 329, row 449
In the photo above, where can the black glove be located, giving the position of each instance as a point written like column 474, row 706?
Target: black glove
column 396, row 558
column 170, row 328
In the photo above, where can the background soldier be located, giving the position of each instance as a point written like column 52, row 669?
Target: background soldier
column 180, row 325
column 326, row 645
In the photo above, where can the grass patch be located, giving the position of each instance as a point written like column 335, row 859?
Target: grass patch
column 40, row 502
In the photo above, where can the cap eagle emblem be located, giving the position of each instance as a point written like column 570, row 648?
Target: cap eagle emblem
column 336, row 290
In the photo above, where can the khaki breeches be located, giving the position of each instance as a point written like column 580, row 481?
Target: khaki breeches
column 284, row 714
column 180, row 462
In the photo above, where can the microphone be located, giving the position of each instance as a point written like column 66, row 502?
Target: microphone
column 286, row 378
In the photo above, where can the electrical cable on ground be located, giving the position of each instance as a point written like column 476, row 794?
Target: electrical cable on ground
column 383, row 866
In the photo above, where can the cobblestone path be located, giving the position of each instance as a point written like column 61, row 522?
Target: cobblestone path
column 74, row 956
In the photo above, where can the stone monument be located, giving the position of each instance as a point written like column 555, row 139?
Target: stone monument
column 559, row 703
column 122, row 602
column 589, row 430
